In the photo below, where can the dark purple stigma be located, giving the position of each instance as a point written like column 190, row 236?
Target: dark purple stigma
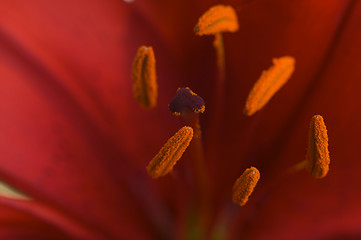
column 186, row 100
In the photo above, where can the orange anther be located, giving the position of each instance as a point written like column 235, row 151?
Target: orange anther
column 145, row 88
column 244, row 185
column 318, row 158
column 217, row 19
column 269, row 83
column 170, row 153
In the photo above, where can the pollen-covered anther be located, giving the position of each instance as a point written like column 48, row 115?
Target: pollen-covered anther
column 186, row 100
column 170, row 153
column 244, row 185
column 269, row 83
column 219, row 18
column 145, row 88
column 318, row 158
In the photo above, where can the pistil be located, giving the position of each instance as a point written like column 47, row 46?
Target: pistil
column 188, row 105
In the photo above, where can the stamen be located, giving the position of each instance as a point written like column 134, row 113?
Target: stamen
column 186, row 100
column 217, row 19
column 244, row 185
column 170, row 153
column 269, row 83
column 318, row 158
column 145, row 88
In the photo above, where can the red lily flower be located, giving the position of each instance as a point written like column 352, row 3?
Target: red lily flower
column 75, row 141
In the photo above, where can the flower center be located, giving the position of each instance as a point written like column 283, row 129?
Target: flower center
column 187, row 105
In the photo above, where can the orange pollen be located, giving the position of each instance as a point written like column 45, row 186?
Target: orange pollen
column 269, row 83
column 318, row 158
column 217, row 19
column 170, row 153
column 244, row 185
column 145, row 88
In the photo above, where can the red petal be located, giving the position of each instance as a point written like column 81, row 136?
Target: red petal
column 72, row 128
column 19, row 225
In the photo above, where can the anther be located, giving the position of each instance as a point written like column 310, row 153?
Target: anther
column 318, row 159
column 170, row 153
column 244, row 185
column 145, row 88
column 217, row 19
column 269, row 83
column 186, row 100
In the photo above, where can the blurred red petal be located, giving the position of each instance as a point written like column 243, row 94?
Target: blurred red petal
column 16, row 224
column 73, row 130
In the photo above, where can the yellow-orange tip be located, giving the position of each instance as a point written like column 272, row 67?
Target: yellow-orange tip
column 170, row 153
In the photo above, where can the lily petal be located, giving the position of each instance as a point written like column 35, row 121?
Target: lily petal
column 19, row 225
column 62, row 113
